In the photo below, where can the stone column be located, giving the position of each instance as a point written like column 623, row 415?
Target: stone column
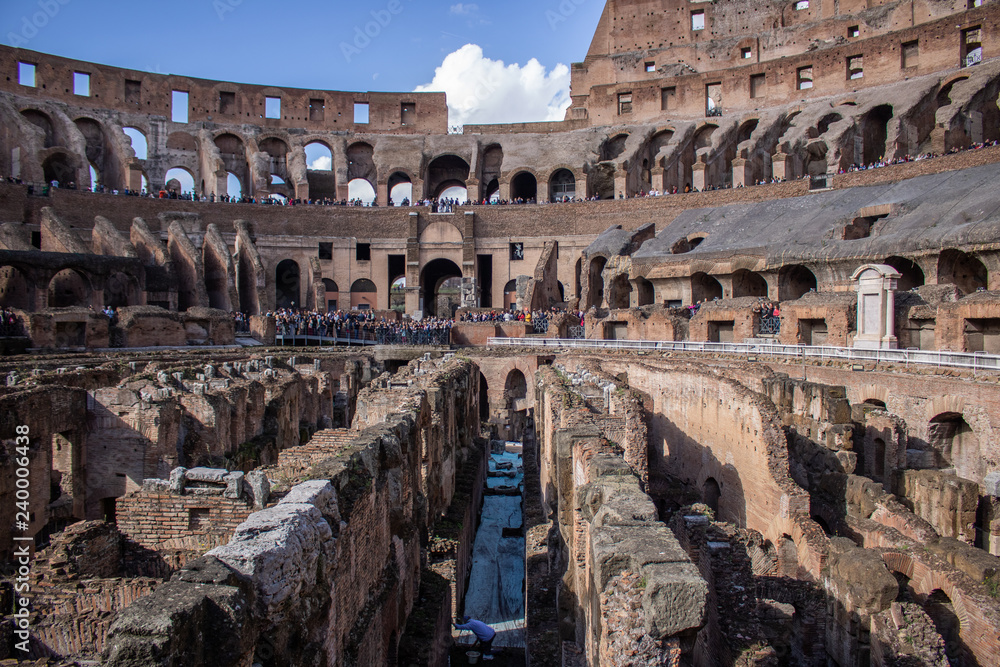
column 741, row 172
column 698, row 170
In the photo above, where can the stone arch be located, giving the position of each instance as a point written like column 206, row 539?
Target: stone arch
column 361, row 162
column 910, row 273
column 613, row 147
column 490, row 170
column 179, row 179
column 956, row 444
column 704, row 287
column 99, row 151
column 748, row 283
column 524, row 185
column 432, row 275
column 69, row 288
column 445, row 171
column 646, row 294
column 122, row 290
column 870, row 392
column 441, row 232
column 703, row 136
column 595, row 274
column 562, row 184
column 43, row 121
column 400, row 186
column 711, row 494
column 277, row 151
column 794, row 281
column 874, row 133
column 16, row 290
column 688, row 243
column 963, row 270
column 364, row 294
column 286, row 284
column 59, row 166
column 940, row 608
column 747, row 128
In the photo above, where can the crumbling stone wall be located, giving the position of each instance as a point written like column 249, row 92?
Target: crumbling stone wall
column 326, row 576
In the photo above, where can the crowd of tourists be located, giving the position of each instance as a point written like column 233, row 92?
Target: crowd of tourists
column 362, row 325
column 538, row 318
column 883, row 162
column 10, row 323
column 445, row 205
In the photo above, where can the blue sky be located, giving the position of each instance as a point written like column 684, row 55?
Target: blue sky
column 385, row 45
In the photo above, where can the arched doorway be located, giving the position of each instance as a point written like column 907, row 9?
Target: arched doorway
column 562, row 185
column 962, row 270
column 748, row 283
column 484, row 399
column 400, row 189
column 956, row 444
column 364, row 295
column 524, row 187
column 432, row 278
column 794, row 282
column 15, row 289
column 509, row 294
column 332, row 293
column 910, row 274
column 121, row 290
column 286, row 285
column 69, row 288
column 711, row 494
column 595, row 297
column 515, row 391
column 705, row 288
column 444, row 172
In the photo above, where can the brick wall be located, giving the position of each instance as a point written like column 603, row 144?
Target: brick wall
column 169, row 521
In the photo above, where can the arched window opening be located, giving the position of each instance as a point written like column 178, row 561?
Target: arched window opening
column 596, row 280
column 711, row 495
column 794, row 281
column 613, row 147
column 139, row 143
column 456, row 192
column 319, row 157
column 524, row 187
column 748, row 283
column 440, row 287
column 15, row 289
column 955, row 444
column 646, row 295
column 44, row 123
column 332, row 292
column 69, row 288
column 400, row 189
column 360, row 190
column 686, row 245
column 58, row 167
column 397, row 295
column 562, row 185
column 509, row 294
column 962, row 270
column 911, row 275
column 179, row 181
column 364, row 295
column 874, row 133
column 233, row 186
column 705, row 288
column 286, row 284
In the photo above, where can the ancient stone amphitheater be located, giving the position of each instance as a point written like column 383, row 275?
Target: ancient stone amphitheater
column 773, row 440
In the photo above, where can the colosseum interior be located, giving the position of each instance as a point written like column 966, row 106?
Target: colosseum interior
column 753, row 429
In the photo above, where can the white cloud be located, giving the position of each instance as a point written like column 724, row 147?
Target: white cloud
column 463, row 9
column 323, row 163
column 481, row 90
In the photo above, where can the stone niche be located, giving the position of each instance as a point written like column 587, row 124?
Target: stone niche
column 876, row 286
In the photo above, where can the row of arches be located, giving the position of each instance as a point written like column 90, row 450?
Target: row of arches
column 68, row 288
column 955, row 267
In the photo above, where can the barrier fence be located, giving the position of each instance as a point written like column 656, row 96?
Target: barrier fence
column 940, row 358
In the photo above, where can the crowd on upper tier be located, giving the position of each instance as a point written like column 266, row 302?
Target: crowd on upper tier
column 446, row 205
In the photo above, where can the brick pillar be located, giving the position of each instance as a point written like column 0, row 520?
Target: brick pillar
column 621, row 183
column 698, row 170
column 778, row 166
column 741, row 172
column 382, row 193
column 658, row 176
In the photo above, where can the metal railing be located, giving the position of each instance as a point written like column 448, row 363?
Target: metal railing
column 576, row 333
column 940, row 358
column 540, row 325
column 770, row 326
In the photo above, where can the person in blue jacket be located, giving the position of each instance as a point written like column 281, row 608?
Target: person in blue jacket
column 484, row 635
